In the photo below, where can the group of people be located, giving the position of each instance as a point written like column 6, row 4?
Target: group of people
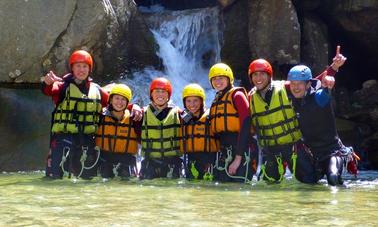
column 291, row 121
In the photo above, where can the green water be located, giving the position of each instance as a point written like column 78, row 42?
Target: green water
column 28, row 200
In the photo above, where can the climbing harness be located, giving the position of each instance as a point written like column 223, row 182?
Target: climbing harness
column 228, row 160
column 115, row 169
column 84, row 156
column 65, row 155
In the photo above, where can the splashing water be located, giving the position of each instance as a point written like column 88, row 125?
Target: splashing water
column 188, row 46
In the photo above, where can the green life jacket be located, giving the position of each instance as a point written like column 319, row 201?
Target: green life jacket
column 160, row 138
column 78, row 113
column 276, row 123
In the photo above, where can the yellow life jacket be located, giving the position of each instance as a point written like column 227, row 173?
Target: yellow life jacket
column 223, row 114
column 276, row 123
column 117, row 136
column 78, row 113
column 160, row 138
column 196, row 136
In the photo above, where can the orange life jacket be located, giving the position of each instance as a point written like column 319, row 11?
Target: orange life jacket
column 197, row 136
column 117, row 136
column 223, row 114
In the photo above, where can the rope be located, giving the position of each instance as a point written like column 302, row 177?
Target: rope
column 84, row 156
column 280, row 167
column 294, row 157
column 193, row 170
column 228, row 160
column 64, row 159
column 115, row 169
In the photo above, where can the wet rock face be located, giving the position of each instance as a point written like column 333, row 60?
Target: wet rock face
column 274, row 31
column 24, row 129
column 314, row 44
column 38, row 36
column 178, row 5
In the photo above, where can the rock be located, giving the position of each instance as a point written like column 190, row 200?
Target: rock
column 25, row 129
column 235, row 50
column 314, row 44
column 358, row 18
column 369, row 84
column 29, row 31
column 371, row 144
column 226, row 3
column 274, row 31
column 39, row 36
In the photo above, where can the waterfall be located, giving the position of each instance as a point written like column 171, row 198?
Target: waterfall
column 188, row 46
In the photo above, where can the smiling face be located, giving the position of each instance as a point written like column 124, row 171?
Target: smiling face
column 260, row 80
column 193, row 104
column 160, row 97
column 298, row 88
column 80, row 70
column 118, row 102
column 219, row 82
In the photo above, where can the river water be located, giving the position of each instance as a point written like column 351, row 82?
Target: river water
column 28, row 200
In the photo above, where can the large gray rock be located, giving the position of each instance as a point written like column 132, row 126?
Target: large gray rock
column 28, row 32
column 24, row 129
column 226, row 3
column 39, row 35
column 274, row 31
column 235, row 48
column 358, row 18
column 314, row 44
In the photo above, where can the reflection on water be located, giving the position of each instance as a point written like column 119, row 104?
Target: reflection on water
column 26, row 199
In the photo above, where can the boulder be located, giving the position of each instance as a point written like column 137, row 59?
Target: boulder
column 39, row 36
column 314, row 44
column 24, row 129
column 235, row 48
column 226, row 3
column 274, row 32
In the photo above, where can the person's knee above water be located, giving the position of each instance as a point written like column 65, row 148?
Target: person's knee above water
column 198, row 142
column 273, row 118
column 116, row 136
column 78, row 103
column 227, row 113
column 160, row 134
column 317, row 122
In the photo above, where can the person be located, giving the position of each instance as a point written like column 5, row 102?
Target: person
column 198, row 143
column 160, row 134
column 327, row 154
column 228, row 111
column 78, row 103
column 117, row 137
column 274, row 120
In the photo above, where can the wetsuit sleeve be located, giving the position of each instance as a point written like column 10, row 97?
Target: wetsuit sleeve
column 104, row 97
column 322, row 97
column 54, row 90
column 328, row 72
column 242, row 106
column 244, row 136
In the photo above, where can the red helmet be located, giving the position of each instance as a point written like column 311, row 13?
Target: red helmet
column 81, row 56
column 260, row 65
column 161, row 83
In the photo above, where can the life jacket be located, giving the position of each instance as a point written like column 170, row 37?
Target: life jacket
column 276, row 123
column 160, row 138
column 117, row 136
column 223, row 114
column 78, row 113
column 196, row 136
